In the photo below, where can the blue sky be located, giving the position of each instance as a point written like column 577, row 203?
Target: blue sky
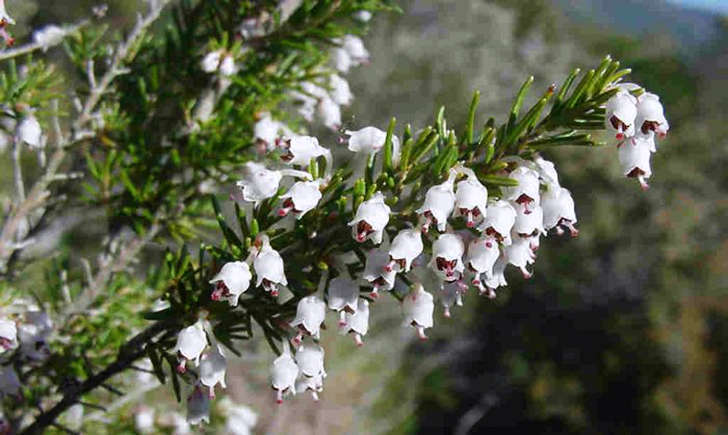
column 713, row 5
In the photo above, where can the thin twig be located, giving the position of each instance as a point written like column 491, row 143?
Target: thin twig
column 35, row 45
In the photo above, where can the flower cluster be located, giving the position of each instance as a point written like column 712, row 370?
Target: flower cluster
column 635, row 121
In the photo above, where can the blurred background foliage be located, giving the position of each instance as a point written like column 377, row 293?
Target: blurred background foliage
column 623, row 330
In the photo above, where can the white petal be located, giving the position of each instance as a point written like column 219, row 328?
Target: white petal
column 191, row 341
column 310, row 360
column 375, row 268
column 440, row 202
column 330, row 113
column 635, row 154
column 358, row 322
column 236, row 276
column 212, row 368
column 482, row 257
column 500, row 217
column 29, row 131
column 340, row 91
column 211, row 61
column 305, row 196
column 310, row 314
column 258, row 183
column 407, row 245
column 367, row 140
column 268, row 265
column 418, row 307
column 49, row 36
column 198, row 407
column 528, row 223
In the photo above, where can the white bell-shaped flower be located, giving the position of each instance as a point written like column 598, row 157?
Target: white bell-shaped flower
column 546, row 170
column 528, row 221
column 447, row 257
column 284, row 372
column 267, row 131
column 520, row 254
column 48, row 36
column 191, row 341
column 343, row 297
column 406, row 246
column 621, row 112
column 8, row 334
column 558, row 210
column 198, row 407
column 5, row 18
column 268, row 266
column 340, row 92
column 355, row 47
column 341, row 59
column 213, row 367
column 418, row 306
column 260, row 183
column 310, row 360
column 526, row 193
column 450, row 295
column 439, row 204
column 29, row 131
column 301, row 198
column 482, row 255
column 497, row 279
column 144, row 419
column 9, row 381
column 357, row 323
column 651, row 116
column 227, row 66
column 370, row 220
column 376, row 273
column 310, row 315
column 471, row 199
column 330, row 113
column 498, row 222
column 33, row 334
column 232, row 281
column 299, row 150
column 370, row 140
column 634, row 158
column 240, row 419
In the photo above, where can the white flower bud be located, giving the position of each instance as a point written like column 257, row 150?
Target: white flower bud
column 268, row 266
column 634, row 157
column 520, row 254
column 406, row 246
column 447, row 253
column 471, row 199
column 363, row 16
column 375, row 271
column 310, row 314
column 357, row 323
column 310, row 360
column 340, row 91
column 499, row 220
column 439, row 204
column 213, row 367
column 450, row 294
column 29, row 131
column 301, row 198
column 218, row 60
column 284, row 372
column 528, row 221
column 558, row 210
column 198, row 407
column 418, row 306
column 8, row 334
column 232, row 281
column 651, row 116
column 343, row 297
column 191, row 341
column 620, row 115
column 526, row 193
column 370, row 220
